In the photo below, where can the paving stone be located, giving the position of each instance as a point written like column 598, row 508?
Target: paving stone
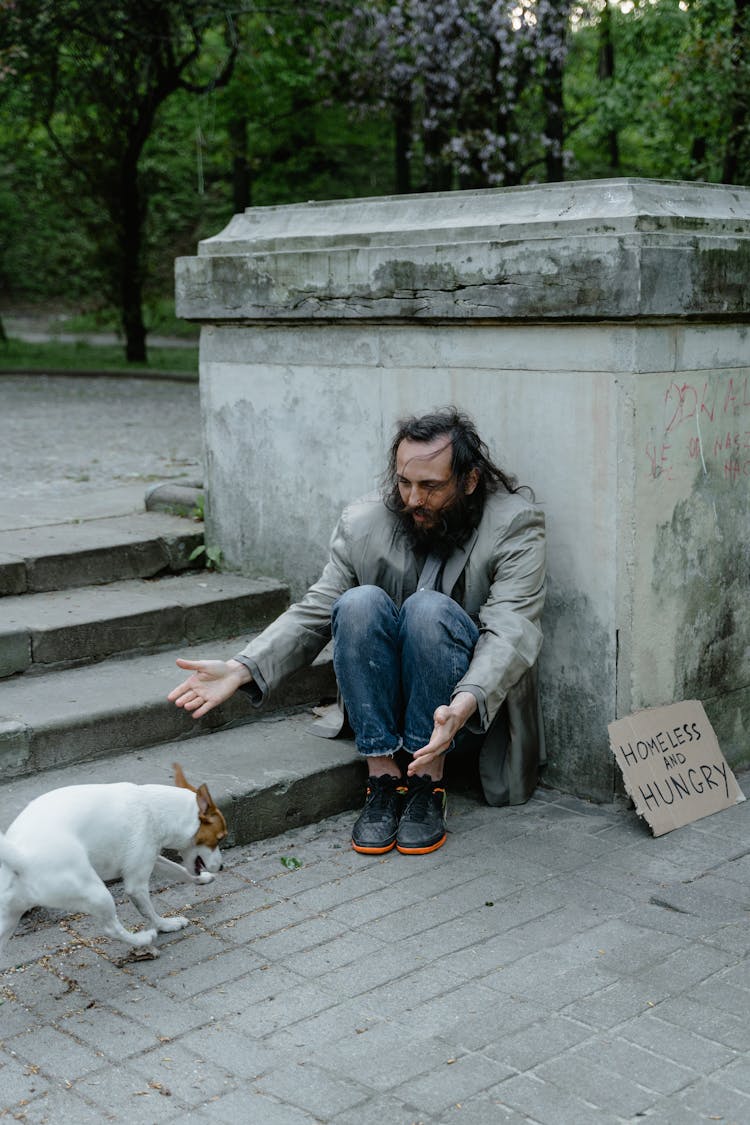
column 142, row 1096
column 660, row 913
column 634, row 1062
column 284, row 1007
column 260, row 923
column 328, row 895
column 537, row 1042
column 183, row 949
column 457, row 1080
column 387, row 1109
column 683, row 970
column 736, row 1075
column 404, row 988
column 308, row 1087
column 734, row 938
column 294, row 940
column 19, row 1082
column 342, row 1021
column 615, row 1003
column 78, row 974
column 417, row 918
column 482, row 1110
column 188, row 1075
column 59, row 1105
column 717, row 1013
column 547, row 1104
column 681, row 1045
column 215, row 971
column 106, row 1030
column 700, row 900
column 713, row 1099
column 55, row 1053
column 230, row 1045
column 355, row 1058
column 536, row 927
column 555, row 991
column 500, row 1020
column 251, row 1105
column 597, row 1085
column 346, row 949
column 239, row 998
column 162, row 1017
column 440, row 1015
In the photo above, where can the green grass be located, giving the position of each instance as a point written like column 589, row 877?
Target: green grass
column 158, row 314
column 56, row 356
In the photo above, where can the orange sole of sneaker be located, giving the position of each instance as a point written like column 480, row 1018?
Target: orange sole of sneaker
column 373, row 851
column 422, row 851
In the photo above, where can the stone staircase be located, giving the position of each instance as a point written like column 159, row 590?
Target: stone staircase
column 92, row 618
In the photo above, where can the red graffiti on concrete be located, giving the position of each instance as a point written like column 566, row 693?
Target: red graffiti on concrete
column 715, row 412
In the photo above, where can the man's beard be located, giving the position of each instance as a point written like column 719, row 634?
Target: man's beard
column 453, row 525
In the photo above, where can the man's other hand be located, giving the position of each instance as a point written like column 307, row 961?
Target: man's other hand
column 448, row 722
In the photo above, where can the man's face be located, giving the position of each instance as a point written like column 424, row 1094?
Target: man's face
column 425, row 480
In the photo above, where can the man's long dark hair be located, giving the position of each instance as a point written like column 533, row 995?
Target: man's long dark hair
column 469, row 452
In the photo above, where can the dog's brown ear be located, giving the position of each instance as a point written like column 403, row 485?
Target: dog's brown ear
column 180, row 779
column 205, row 801
column 213, row 827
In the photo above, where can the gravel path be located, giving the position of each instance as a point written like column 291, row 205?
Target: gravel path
column 76, row 434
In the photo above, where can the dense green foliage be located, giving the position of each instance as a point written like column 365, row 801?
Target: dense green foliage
column 289, row 101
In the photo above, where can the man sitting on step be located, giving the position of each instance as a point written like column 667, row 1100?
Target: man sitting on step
column 433, row 593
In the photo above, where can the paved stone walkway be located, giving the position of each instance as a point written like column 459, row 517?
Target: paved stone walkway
column 552, row 964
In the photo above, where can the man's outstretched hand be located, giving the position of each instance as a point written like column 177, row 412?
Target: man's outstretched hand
column 448, row 722
column 211, row 683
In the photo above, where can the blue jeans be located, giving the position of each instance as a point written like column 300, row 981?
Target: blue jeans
column 395, row 667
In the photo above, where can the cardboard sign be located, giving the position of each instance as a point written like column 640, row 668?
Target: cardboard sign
column 672, row 765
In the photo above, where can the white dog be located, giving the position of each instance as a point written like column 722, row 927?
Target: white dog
column 60, row 849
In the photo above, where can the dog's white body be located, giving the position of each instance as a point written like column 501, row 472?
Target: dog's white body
column 63, row 846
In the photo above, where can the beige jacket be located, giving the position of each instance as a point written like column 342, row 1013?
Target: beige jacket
column 498, row 577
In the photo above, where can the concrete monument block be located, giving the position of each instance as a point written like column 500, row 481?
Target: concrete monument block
column 598, row 333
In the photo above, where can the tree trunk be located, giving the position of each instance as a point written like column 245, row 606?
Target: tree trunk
column 241, row 181
column 737, row 135
column 130, row 237
column 606, row 76
column 438, row 172
column 402, row 123
column 698, row 150
column 552, row 91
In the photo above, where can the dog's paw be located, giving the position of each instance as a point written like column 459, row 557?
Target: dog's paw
column 143, row 938
column 168, row 925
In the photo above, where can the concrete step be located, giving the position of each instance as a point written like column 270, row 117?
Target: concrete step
column 82, row 714
column 267, row 776
column 91, row 623
column 63, row 555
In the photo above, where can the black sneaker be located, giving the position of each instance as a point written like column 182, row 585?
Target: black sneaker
column 375, row 829
column 422, row 825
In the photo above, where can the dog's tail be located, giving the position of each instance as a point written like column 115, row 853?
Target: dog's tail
column 10, row 856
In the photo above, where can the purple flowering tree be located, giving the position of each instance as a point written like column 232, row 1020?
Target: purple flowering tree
column 474, row 87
